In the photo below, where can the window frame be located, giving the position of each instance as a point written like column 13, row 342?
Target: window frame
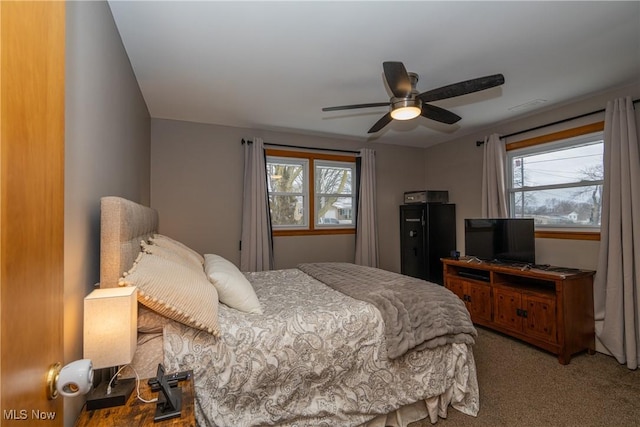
column 312, row 228
column 549, row 140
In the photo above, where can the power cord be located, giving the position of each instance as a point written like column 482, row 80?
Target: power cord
column 137, row 384
column 140, row 398
column 114, row 377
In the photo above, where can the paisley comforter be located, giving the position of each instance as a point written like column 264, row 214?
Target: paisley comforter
column 315, row 357
column 416, row 313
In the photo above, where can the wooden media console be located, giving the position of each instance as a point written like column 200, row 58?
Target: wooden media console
column 549, row 307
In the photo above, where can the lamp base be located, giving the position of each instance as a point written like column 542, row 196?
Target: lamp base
column 120, row 392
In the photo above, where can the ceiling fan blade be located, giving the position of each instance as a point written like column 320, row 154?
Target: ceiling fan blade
column 381, row 123
column 439, row 114
column 462, row 88
column 352, row 107
column 397, row 79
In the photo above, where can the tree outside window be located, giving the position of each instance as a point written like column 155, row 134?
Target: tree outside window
column 287, row 188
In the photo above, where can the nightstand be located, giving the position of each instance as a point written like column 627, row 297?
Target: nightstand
column 138, row 413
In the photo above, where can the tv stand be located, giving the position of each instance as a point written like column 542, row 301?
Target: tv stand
column 549, row 307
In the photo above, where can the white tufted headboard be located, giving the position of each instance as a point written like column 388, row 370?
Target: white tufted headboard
column 123, row 224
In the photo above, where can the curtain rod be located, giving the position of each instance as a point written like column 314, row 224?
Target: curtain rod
column 303, row 148
column 479, row 143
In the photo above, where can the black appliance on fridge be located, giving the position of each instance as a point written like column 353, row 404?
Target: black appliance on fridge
column 427, row 233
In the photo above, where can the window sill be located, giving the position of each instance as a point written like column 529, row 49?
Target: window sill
column 321, row 232
column 565, row 234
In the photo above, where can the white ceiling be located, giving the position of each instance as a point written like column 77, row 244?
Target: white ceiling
column 274, row 65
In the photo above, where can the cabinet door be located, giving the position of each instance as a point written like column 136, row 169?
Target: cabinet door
column 540, row 320
column 479, row 301
column 412, row 244
column 507, row 305
column 457, row 287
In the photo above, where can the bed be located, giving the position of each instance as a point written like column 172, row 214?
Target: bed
column 298, row 347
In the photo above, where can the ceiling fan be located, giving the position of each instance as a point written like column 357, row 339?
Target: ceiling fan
column 407, row 103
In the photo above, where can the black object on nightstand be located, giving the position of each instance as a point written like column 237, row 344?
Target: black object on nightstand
column 139, row 413
column 170, row 403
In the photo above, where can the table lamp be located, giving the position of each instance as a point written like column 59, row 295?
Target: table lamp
column 110, row 339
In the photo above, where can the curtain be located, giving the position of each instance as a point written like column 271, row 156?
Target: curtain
column 617, row 280
column 256, row 252
column 366, row 224
column 494, row 193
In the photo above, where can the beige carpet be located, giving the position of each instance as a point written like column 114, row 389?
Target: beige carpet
column 523, row 386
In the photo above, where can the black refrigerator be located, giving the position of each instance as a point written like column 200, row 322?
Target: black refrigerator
column 427, row 233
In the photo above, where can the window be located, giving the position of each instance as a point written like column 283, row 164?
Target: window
column 287, row 184
column 558, row 183
column 311, row 193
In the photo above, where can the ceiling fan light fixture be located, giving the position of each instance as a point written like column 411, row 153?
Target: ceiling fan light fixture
column 407, row 103
column 406, row 109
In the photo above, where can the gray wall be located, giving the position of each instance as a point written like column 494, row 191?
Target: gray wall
column 196, row 185
column 459, row 164
column 107, row 153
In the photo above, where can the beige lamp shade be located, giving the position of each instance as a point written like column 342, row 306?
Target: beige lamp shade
column 110, row 326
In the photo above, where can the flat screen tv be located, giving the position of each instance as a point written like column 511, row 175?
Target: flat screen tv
column 507, row 240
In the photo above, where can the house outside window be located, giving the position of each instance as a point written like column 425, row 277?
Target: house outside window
column 558, row 183
column 311, row 193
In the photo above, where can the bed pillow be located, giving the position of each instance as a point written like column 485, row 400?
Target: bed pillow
column 175, row 291
column 169, row 243
column 179, row 256
column 233, row 287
